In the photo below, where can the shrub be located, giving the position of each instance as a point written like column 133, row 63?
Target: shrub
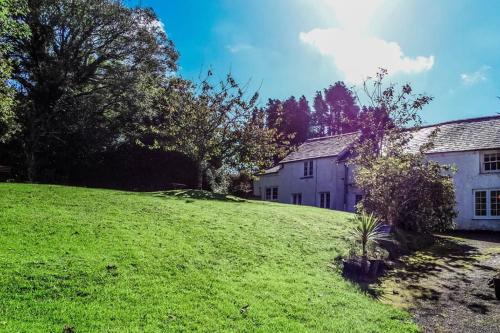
column 408, row 191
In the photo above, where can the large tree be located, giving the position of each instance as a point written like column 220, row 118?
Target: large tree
column 215, row 124
column 336, row 111
column 320, row 125
column 296, row 119
column 85, row 76
column 343, row 111
column 9, row 26
column 275, row 120
column 291, row 118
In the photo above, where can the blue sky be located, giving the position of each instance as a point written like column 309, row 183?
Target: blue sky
column 447, row 49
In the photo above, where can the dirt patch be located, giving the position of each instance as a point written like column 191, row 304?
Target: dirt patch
column 445, row 286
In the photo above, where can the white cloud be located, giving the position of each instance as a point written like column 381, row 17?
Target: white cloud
column 477, row 76
column 235, row 48
column 355, row 51
column 358, row 56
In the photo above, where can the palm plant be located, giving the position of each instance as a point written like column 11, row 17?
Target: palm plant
column 368, row 229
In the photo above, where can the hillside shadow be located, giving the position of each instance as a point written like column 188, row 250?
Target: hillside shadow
column 197, row 195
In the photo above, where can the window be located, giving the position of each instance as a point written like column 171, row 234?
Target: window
column 271, row 193
column 297, row 198
column 308, row 169
column 481, row 203
column 495, row 203
column 487, row 204
column 324, row 199
column 268, row 193
column 491, row 162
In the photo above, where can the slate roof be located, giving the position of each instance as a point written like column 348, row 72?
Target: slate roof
column 327, row 146
column 461, row 135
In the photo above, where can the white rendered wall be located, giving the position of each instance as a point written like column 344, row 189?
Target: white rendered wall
column 328, row 176
column 467, row 179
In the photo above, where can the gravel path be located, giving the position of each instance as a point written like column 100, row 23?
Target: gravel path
column 446, row 287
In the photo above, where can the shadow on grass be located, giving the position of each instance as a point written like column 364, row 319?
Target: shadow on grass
column 446, row 256
column 197, row 195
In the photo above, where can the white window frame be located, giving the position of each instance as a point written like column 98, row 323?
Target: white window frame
column 273, row 193
column 488, row 215
column 308, row 169
column 322, row 200
column 297, row 198
column 483, row 162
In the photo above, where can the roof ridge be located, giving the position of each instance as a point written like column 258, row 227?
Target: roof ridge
column 330, row 136
column 466, row 120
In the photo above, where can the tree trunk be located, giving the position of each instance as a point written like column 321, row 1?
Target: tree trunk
column 199, row 178
column 364, row 258
column 31, row 141
column 31, row 169
column 31, row 164
column 364, row 265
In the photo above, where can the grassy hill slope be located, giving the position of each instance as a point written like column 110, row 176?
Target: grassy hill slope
column 110, row 261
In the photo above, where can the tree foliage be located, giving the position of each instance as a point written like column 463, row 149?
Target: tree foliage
column 335, row 111
column 291, row 118
column 275, row 120
column 389, row 117
column 86, row 74
column 216, row 124
column 9, row 26
column 297, row 117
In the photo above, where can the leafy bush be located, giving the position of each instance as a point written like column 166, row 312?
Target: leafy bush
column 408, row 191
column 242, row 185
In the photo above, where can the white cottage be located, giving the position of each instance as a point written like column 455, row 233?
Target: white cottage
column 317, row 174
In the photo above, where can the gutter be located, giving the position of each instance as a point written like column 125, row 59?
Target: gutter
column 459, row 151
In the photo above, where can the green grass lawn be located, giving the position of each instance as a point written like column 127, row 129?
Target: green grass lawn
column 110, row 261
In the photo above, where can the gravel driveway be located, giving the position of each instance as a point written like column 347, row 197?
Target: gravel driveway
column 446, row 286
